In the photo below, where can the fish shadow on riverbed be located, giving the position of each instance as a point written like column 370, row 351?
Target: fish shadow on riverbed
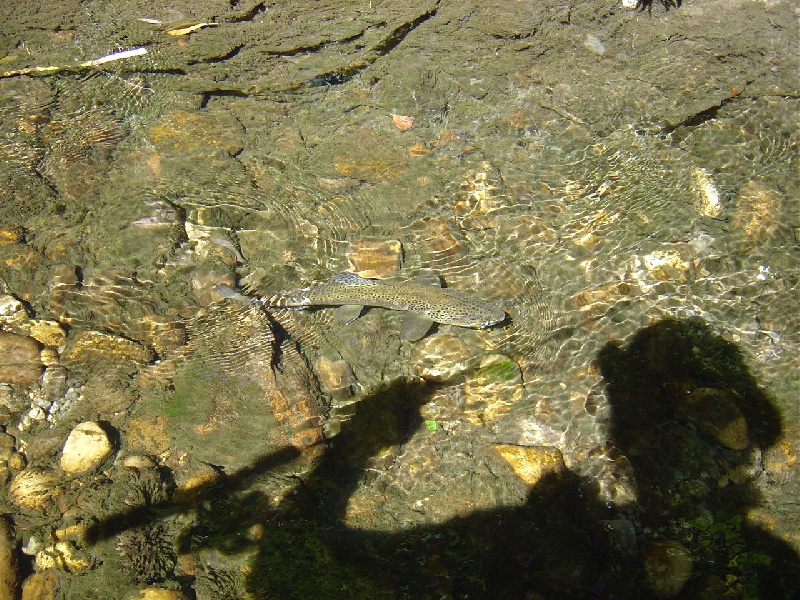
column 563, row 542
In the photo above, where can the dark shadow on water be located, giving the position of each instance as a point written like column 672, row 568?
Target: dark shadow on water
column 563, row 542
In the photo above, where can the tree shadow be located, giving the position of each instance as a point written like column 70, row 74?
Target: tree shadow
column 563, row 542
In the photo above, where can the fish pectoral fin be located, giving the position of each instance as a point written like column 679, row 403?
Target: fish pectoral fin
column 348, row 313
column 414, row 326
column 428, row 277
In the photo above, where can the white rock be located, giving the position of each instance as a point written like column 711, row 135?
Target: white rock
column 87, row 447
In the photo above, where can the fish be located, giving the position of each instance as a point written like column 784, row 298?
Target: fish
column 423, row 299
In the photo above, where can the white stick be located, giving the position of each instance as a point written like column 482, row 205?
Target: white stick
column 115, row 56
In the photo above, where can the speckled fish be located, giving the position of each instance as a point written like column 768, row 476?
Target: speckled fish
column 423, row 298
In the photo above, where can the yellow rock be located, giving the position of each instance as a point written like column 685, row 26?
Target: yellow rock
column 95, row 347
column 375, row 258
column 532, row 463
column 706, row 200
column 62, row 555
column 48, row 333
column 335, row 376
column 154, row 593
column 86, row 448
column 32, row 488
column 758, row 215
column 41, row 586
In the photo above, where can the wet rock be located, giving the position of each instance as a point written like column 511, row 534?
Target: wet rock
column 47, row 333
column 11, row 234
column 87, row 447
column 92, row 347
column 668, row 566
column 335, row 376
column 440, row 357
column 532, row 464
column 481, row 191
column 758, row 215
column 434, row 238
column 7, row 443
column 54, row 383
column 375, row 258
column 32, row 488
column 148, row 435
column 17, row 462
column 41, row 586
column 493, row 390
column 667, row 265
column 706, row 198
column 63, row 555
column 9, row 582
column 154, row 593
column 204, row 282
column 139, row 462
column 19, row 359
column 596, row 301
column 715, row 413
column 12, row 311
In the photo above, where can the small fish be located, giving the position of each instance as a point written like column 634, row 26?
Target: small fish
column 423, row 299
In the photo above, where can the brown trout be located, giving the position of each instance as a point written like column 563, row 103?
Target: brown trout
column 423, row 298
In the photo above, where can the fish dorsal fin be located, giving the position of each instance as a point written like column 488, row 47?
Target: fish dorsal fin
column 428, row 277
column 348, row 278
column 414, row 326
column 348, row 313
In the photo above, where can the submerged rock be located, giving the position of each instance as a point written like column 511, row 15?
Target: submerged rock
column 370, row 258
column 87, row 447
column 668, row 566
column 32, row 488
column 20, row 362
column 9, row 582
column 532, row 464
column 715, row 413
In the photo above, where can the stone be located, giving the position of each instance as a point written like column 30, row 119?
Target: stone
column 32, row 488
column 87, row 447
column 706, row 197
column 41, row 586
column 63, row 555
column 148, row 435
column 47, row 333
column 11, row 234
column 9, row 576
column 139, row 462
column 374, row 258
column 154, row 593
column 668, row 566
column 440, row 357
column 91, row 347
column 335, row 376
column 716, row 414
column 531, row 463
column 758, row 215
column 493, row 390
column 20, row 362
column 12, row 311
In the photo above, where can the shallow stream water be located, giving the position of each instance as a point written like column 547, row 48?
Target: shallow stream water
column 621, row 181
